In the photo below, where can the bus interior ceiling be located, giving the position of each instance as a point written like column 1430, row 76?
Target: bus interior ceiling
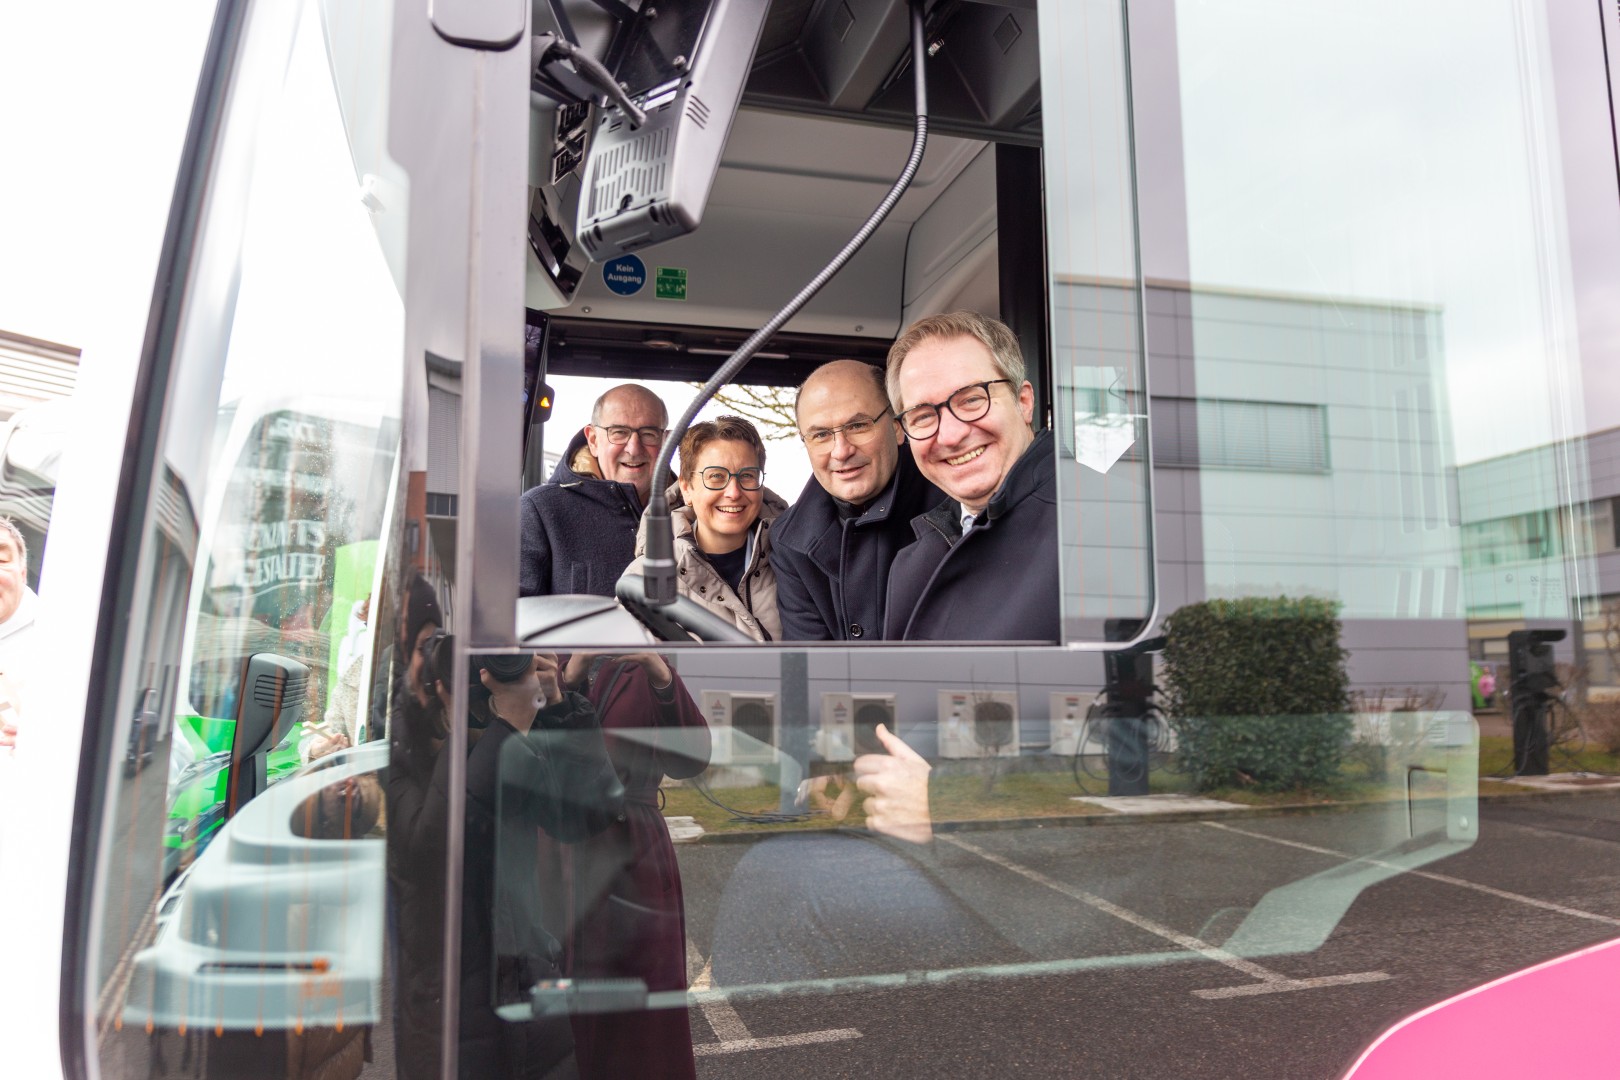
column 824, row 128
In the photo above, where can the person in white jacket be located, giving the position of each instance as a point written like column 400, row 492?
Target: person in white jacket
column 18, row 608
column 342, row 726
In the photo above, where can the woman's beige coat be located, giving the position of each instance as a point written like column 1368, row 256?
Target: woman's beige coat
column 754, row 612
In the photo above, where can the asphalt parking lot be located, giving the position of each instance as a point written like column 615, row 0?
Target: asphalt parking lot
column 1246, row 943
column 1266, row 946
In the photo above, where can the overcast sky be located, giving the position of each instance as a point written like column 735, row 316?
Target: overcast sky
column 1416, row 153
column 96, row 98
column 1383, row 152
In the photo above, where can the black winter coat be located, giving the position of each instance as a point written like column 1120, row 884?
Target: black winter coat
column 629, row 910
column 579, row 531
column 416, row 885
column 557, row 779
column 832, row 575
column 996, row 582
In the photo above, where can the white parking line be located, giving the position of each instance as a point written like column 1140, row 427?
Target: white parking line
column 728, row 1026
column 775, row 1042
column 1251, row 989
column 1271, row 982
column 1444, row 879
column 1142, row 922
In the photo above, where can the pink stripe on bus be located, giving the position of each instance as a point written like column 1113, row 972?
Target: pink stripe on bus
column 1554, row 1019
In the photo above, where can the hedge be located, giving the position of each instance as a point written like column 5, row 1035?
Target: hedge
column 1257, row 691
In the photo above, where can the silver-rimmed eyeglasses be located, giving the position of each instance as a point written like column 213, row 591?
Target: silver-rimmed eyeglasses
column 856, row 431
column 646, row 436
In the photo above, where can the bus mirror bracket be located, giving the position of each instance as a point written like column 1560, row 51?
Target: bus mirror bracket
column 679, row 618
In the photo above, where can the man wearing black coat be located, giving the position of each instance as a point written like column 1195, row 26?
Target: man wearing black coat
column 579, row 530
column 985, row 564
column 832, row 549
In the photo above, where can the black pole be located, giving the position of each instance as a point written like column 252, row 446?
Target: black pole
column 1531, row 683
column 1129, row 676
column 1021, row 259
column 794, row 725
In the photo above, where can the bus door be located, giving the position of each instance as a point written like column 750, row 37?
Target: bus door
column 1313, row 328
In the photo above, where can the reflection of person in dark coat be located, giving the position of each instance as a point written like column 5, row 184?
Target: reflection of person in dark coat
column 629, row 916
column 415, row 833
column 538, row 765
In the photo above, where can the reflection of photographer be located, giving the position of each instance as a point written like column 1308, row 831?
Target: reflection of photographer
column 629, row 921
column 539, row 764
column 415, row 832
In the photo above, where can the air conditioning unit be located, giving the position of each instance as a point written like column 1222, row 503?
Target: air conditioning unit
column 1068, row 712
column 978, row 723
column 742, row 725
column 847, row 722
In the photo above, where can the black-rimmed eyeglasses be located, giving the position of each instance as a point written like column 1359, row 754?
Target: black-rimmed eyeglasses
column 968, row 404
column 716, row 478
column 856, row 431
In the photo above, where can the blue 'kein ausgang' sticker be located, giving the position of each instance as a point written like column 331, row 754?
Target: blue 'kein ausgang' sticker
column 625, row 275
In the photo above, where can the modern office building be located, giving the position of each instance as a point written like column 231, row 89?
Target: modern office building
column 1300, row 446
column 1518, row 544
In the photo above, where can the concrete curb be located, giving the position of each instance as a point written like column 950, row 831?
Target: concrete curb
column 1173, row 817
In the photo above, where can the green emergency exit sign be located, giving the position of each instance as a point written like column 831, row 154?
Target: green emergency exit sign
column 670, row 284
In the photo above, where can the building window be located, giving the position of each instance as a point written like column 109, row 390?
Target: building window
column 1213, row 433
column 1514, row 539
column 1593, row 525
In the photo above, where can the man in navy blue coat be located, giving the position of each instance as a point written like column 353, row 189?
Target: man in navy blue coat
column 832, row 549
column 985, row 563
column 579, row 530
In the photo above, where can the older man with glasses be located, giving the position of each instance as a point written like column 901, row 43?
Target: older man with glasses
column 579, row 530
column 985, row 563
column 832, row 549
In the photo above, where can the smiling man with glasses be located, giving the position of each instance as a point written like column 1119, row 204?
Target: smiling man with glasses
column 985, row 563
column 832, row 549
column 579, row 530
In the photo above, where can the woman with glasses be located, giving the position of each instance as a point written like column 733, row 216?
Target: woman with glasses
column 722, row 511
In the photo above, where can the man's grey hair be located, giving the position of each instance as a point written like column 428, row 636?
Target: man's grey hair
column 601, row 402
column 9, row 526
column 993, row 334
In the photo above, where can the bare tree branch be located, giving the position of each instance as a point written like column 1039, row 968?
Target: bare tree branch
column 769, row 408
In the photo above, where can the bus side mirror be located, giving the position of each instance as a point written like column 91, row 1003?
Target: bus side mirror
column 542, row 404
column 270, row 703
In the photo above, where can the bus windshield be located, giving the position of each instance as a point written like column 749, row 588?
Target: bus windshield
column 1159, row 594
